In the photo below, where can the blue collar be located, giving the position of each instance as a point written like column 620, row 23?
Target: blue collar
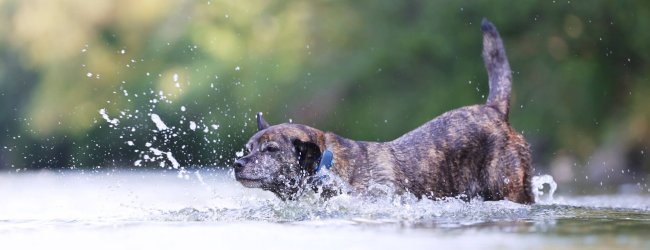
column 326, row 160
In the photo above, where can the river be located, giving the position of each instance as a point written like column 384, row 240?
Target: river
column 208, row 209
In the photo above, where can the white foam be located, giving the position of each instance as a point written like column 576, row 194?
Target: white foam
column 538, row 187
column 104, row 115
column 159, row 123
column 182, row 173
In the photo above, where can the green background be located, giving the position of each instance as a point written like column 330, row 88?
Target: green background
column 367, row 70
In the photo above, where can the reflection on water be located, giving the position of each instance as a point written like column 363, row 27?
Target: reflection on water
column 110, row 206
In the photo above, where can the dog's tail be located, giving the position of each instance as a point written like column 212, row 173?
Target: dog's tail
column 496, row 63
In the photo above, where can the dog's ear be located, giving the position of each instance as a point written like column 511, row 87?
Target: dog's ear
column 308, row 154
column 261, row 123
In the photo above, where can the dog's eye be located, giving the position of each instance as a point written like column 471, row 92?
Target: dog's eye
column 271, row 148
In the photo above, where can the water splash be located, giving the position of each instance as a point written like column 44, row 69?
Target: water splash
column 159, row 123
column 538, row 187
column 104, row 115
column 403, row 210
column 159, row 145
column 169, row 156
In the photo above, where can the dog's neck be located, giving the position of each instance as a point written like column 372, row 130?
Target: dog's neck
column 349, row 155
column 326, row 160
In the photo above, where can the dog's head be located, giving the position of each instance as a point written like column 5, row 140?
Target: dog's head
column 280, row 158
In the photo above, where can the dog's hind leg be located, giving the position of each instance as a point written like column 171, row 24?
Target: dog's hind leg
column 518, row 167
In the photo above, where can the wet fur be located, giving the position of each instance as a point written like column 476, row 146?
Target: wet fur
column 469, row 152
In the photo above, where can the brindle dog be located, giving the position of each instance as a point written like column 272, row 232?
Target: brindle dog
column 468, row 152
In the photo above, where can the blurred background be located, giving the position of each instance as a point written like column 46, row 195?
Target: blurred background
column 82, row 83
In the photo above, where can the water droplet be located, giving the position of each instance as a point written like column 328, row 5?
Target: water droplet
column 159, row 123
column 183, row 108
column 175, row 77
column 89, row 74
column 237, row 68
column 122, row 51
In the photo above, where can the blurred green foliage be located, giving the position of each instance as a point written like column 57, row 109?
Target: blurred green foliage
column 368, row 70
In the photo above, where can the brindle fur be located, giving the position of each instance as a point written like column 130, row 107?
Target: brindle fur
column 471, row 151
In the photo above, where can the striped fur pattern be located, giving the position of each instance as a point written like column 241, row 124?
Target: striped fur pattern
column 467, row 152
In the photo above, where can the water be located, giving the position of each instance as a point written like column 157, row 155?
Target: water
column 157, row 210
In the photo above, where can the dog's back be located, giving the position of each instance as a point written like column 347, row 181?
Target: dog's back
column 469, row 151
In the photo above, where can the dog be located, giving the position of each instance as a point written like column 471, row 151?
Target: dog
column 468, row 152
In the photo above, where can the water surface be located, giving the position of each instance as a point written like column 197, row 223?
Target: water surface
column 208, row 209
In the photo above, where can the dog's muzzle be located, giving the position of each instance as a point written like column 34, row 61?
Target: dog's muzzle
column 238, row 166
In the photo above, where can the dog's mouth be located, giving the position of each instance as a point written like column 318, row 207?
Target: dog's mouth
column 250, row 182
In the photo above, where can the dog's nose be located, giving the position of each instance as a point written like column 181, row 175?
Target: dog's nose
column 238, row 165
